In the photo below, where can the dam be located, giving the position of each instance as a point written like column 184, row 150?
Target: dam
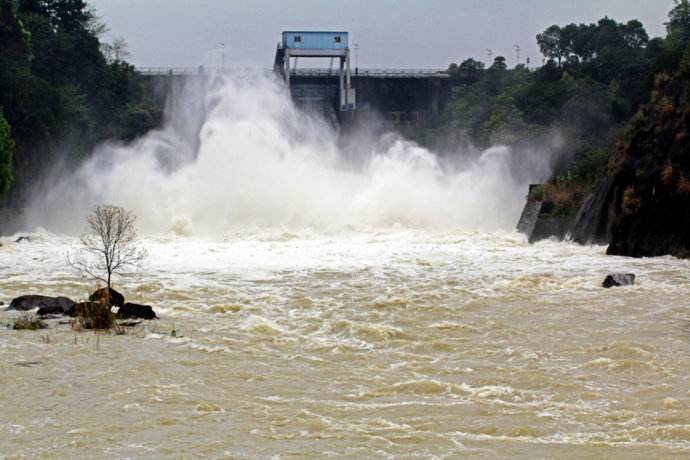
column 341, row 92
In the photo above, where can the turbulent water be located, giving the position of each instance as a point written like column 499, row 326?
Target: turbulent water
column 396, row 343
column 324, row 300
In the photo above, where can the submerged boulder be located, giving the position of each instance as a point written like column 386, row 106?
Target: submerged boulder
column 29, row 302
column 619, row 279
column 133, row 310
column 108, row 296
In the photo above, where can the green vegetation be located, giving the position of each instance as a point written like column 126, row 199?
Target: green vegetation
column 6, row 149
column 28, row 323
column 62, row 89
column 594, row 79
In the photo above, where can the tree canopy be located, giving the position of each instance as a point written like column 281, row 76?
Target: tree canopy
column 61, row 95
column 595, row 77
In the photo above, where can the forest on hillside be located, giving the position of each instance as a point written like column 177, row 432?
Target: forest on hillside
column 595, row 78
column 63, row 89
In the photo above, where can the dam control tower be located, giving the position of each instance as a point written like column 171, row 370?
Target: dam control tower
column 317, row 44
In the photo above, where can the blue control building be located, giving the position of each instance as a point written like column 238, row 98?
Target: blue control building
column 318, row 44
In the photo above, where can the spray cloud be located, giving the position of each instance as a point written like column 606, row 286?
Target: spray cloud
column 239, row 154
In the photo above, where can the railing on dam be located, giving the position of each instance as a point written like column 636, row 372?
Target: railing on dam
column 306, row 72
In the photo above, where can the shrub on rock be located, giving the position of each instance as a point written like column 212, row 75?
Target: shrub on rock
column 93, row 315
column 108, row 296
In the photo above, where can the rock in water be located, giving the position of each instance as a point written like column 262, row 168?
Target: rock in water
column 47, row 311
column 619, row 279
column 133, row 310
column 108, row 296
column 28, row 302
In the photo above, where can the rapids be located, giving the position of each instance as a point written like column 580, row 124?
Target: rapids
column 401, row 343
column 321, row 298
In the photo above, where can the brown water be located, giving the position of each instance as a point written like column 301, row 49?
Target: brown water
column 362, row 344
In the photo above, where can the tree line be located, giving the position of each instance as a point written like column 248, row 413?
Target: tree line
column 594, row 79
column 63, row 89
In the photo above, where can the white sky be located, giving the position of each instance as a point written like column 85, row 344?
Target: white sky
column 390, row 33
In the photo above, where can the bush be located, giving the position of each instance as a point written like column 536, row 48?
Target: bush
column 94, row 315
column 683, row 186
column 28, row 323
column 536, row 193
column 631, row 202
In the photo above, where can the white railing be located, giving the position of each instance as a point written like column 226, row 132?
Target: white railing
column 305, row 72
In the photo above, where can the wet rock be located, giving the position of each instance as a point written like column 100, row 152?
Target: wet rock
column 50, row 311
column 133, row 310
column 592, row 219
column 28, row 302
column 108, row 296
column 23, row 239
column 129, row 323
column 619, row 279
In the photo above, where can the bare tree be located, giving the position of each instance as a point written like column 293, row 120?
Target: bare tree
column 116, row 51
column 108, row 245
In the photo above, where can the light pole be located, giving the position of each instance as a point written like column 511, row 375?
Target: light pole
column 356, row 58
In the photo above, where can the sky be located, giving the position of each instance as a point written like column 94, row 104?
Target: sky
column 389, row 33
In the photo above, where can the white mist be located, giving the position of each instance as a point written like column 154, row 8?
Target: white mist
column 239, row 154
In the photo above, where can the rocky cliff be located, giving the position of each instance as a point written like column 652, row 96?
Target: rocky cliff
column 643, row 206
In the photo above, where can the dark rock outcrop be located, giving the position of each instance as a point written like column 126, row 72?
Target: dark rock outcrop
column 50, row 311
column 642, row 207
column 649, row 199
column 591, row 224
column 108, row 296
column 619, row 279
column 133, row 310
column 28, row 302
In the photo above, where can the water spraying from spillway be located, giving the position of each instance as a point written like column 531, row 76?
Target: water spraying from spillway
column 240, row 154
